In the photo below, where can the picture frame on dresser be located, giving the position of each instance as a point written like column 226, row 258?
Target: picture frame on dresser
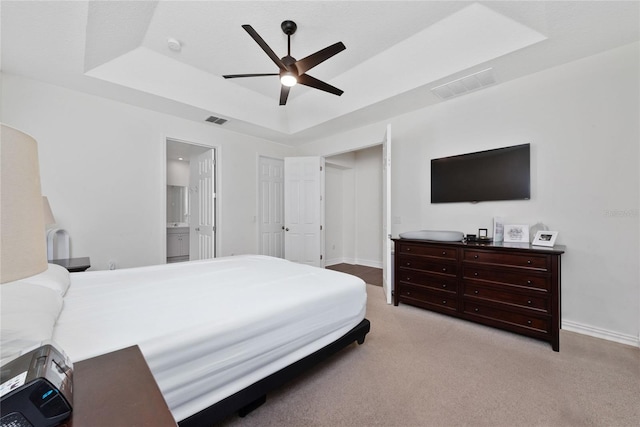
column 545, row 238
column 516, row 233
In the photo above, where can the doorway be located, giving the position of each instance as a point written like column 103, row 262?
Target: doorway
column 354, row 208
column 191, row 201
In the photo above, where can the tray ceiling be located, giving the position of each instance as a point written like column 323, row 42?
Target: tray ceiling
column 397, row 51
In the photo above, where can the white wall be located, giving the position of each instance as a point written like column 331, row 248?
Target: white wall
column 354, row 208
column 368, row 192
column 334, row 216
column 582, row 120
column 102, row 166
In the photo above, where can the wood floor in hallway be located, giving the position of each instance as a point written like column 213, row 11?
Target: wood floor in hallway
column 370, row 275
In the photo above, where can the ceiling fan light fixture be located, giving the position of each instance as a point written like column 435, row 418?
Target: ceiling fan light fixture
column 288, row 79
column 290, row 70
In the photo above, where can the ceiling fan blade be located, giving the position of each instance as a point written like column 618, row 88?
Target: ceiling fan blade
column 307, row 80
column 284, row 94
column 305, row 64
column 235, row 76
column 249, row 29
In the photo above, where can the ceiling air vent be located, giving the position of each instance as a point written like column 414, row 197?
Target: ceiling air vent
column 216, row 120
column 465, row 84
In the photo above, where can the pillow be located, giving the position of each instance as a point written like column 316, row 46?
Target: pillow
column 55, row 277
column 28, row 313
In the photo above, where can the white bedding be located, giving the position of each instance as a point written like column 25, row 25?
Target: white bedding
column 209, row 328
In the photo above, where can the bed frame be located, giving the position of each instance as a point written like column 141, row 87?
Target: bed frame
column 253, row 396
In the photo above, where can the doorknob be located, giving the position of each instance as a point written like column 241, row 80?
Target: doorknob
column 286, row 229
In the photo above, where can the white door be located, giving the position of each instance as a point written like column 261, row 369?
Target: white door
column 203, row 217
column 304, row 210
column 271, row 206
column 387, row 267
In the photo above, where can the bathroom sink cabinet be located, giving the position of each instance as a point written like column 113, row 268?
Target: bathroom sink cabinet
column 177, row 242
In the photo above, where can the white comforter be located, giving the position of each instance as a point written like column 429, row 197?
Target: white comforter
column 209, row 328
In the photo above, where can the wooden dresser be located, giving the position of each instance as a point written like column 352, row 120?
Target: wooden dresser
column 508, row 286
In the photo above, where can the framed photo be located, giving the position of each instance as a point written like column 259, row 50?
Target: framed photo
column 498, row 229
column 545, row 238
column 516, row 233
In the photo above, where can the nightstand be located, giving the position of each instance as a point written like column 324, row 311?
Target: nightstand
column 117, row 389
column 73, row 264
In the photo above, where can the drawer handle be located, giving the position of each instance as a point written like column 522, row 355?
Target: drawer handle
column 475, row 256
column 475, row 274
column 444, row 286
column 408, row 279
column 476, row 309
column 444, row 253
column 529, row 302
column 476, row 292
column 408, row 249
column 528, row 261
column 444, row 269
column 408, row 293
column 528, row 322
column 408, row 264
column 528, row 282
column 444, row 301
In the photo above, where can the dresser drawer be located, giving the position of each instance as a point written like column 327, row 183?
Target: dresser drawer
column 533, row 323
column 424, row 296
column 432, row 251
column 427, row 264
column 505, row 296
column 521, row 278
column 435, row 281
column 533, row 261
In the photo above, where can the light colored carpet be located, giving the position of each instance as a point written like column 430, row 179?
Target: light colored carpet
column 419, row 368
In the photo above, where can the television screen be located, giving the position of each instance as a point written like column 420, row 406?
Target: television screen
column 499, row 174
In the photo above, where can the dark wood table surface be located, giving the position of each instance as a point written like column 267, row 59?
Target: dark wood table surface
column 73, row 264
column 117, row 390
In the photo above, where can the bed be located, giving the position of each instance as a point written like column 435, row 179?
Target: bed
column 216, row 334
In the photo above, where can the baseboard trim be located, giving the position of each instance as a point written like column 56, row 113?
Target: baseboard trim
column 333, row 261
column 601, row 333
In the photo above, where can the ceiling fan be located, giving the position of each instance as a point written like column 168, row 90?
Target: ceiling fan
column 293, row 71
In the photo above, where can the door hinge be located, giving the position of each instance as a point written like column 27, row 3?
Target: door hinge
column 320, row 168
column 320, row 227
column 320, row 256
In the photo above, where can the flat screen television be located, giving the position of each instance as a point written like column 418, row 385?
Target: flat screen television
column 499, row 174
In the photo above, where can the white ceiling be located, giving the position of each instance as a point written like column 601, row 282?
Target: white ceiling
column 396, row 51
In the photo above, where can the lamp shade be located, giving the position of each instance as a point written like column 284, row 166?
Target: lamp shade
column 22, row 236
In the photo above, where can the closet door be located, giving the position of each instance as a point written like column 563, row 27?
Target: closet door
column 304, row 210
column 271, row 214
column 387, row 267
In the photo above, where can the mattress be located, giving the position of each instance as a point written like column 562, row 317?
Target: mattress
column 208, row 329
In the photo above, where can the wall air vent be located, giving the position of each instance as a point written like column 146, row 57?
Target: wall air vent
column 466, row 84
column 216, row 120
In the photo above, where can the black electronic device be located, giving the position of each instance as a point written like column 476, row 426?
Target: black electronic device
column 36, row 389
column 499, row 174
